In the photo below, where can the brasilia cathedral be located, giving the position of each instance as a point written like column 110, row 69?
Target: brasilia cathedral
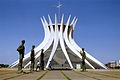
column 60, row 47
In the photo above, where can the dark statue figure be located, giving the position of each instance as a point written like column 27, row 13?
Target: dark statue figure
column 42, row 60
column 83, row 54
column 21, row 50
column 32, row 59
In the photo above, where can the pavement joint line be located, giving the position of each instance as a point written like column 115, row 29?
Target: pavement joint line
column 42, row 75
column 87, row 75
column 7, row 73
column 112, row 73
column 13, row 77
column 106, row 75
column 65, row 76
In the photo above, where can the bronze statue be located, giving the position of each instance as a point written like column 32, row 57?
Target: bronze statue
column 21, row 50
column 32, row 59
column 42, row 60
column 83, row 54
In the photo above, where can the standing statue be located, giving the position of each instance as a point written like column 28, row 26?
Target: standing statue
column 21, row 50
column 32, row 59
column 83, row 54
column 42, row 60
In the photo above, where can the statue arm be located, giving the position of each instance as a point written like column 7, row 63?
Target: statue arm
column 80, row 53
column 19, row 48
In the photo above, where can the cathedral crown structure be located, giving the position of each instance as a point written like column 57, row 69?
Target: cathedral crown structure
column 60, row 47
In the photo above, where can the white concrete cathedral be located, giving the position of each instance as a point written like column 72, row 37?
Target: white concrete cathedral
column 60, row 47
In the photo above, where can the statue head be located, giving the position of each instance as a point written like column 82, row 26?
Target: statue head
column 23, row 41
column 42, row 50
column 82, row 49
column 33, row 46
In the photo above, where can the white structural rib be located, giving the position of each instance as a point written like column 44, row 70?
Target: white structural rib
column 55, row 44
column 70, row 46
column 27, row 56
column 45, row 41
column 62, row 43
column 49, row 40
column 79, row 49
column 41, row 46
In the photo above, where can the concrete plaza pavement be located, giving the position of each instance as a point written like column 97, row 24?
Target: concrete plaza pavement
column 8, row 74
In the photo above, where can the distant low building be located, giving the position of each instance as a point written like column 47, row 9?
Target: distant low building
column 113, row 64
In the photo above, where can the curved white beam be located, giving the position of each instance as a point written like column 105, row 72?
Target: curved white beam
column 55, row 44
column 41, row 46
column 48, row 41
column 70, row 46
column 27, row 56
column 79, row 49
column 73, row 21
column 62, row 43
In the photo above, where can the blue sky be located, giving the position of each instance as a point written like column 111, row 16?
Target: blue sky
column 97, row 29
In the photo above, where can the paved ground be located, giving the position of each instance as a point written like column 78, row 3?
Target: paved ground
column 10, row 74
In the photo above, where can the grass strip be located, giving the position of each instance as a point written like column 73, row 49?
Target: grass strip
column 88, row 75
column 106, row 75
column 66, row 76
column 42, row 76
